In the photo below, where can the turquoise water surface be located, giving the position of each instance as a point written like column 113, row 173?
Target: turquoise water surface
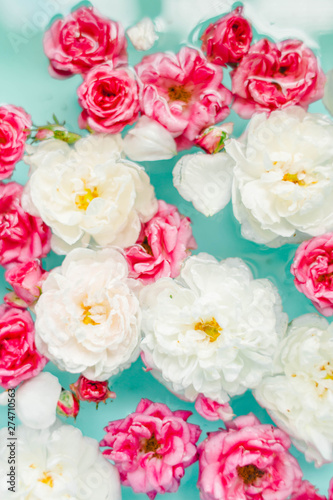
column 25, row 82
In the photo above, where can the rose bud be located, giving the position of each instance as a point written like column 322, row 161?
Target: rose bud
column 26, row 280
column 92, row 391
column 212, row 139
column 68, row 404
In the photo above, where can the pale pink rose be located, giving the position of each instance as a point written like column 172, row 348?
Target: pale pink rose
column 151, row 447
column 274, row 76
column 15, row 126
column 91, row 390
column 26, row 280
column 248, row 460
column 212, row 139
column 109, row 98
column 23, row 237
column 307, row 492
column 68, row 404
column 19, row 358
column 163, row 244
column 313, row 271
column 212, row 410
column 183, row 92
column 82, row 40
column 227, row 40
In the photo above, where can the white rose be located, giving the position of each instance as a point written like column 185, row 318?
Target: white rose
column 205, row 180
column 87, row 193
column 143, row 35
column 299, row 396
column 149, row 141
column 57, row 463
column 283, row 178
column 37, row 399
column 88, row 318
column 212, row 331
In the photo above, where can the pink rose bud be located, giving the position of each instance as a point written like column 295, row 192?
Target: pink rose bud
column 13, row 300
column 227, row 40
column 212, row 410
column 92, row 391
column 82, row 40
column 68, row 404
column 43, row 133
column 14, row 130
column 212, row 139
column 56, row 131
column 26, row 280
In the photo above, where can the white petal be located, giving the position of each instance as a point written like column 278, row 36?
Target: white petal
column 143, row 35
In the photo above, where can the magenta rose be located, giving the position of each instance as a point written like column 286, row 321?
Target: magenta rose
column 152, row 447
column 307, row 492
column 23, row 237
column 19, row 358
column 330, row 490
column 212, row 410
column 183, row 92
column 26, row 280
column 227, row 40
column 248, row 460
column 15, row 126
column 82, row 40
column 274, row 76
column 313, row 271
column 165, row 241
column 91, row 390
column 109, row 98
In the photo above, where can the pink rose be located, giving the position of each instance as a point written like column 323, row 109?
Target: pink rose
column 14, row 130
column 313, row 271
column 163, row 244
column 82, row 40
column 19, row 358
column 68, row 404
column 307, row 492
column 152, row 447
column 212, row 410
column 91, row 390
column 330, row 490
column 274, row 76
column 183, row 92
column 227, row 40
column 26, row 280
column 212, row 139
column 22, row 236
column 109, row 98
column 249, row 460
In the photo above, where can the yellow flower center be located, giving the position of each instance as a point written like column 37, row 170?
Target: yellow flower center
column 249, row 473
column 211, row 328
column 179, row 93
column 329, row 371
column 87, row 320
column 294, row 179
column 47, row 479
column 82, row 201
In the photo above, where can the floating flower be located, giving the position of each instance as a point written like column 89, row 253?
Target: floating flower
column 142, row 34
column 19, row 358
column 26, row 280
column 22, row 236
column 109, row 98
column 299, row 394
column 313, row 271
column 211, row 410
column 91, row 390
column 212, row 139
column 214, row 331
column 152, row 447
column 182, row 92
column 205, row 180
column 68, row 404
column 82, row 40
column 307, row 492
column 37, row 399
column 248, row 460
column 283, row 177
column 14, row 130
column 57, row 463
column 227, row 40
column 274, row 76
column 86, row 193
column 165, row 241
column 88, row 318
column 149, row 141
